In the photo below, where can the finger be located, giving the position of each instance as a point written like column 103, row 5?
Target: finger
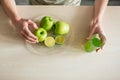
column 26, row 37
column 92, row 31
column 28, row 32
column 103, row 40
column 30, row 41
column 98, row 49
column 32, row 24
column 99, row 30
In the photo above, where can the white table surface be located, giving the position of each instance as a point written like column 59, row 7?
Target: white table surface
column 19, row 61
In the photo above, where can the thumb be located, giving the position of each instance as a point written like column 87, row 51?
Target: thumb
column 32, row 24
column 92, row 31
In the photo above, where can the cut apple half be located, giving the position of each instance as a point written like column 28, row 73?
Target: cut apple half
column 59, row 39
column 49, row 41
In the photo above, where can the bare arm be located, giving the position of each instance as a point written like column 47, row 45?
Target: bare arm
column 9, row 7
column 99, row 8
column 22, row 25
column 96, row 23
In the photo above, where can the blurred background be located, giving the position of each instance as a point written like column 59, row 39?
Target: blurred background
column 84, row 2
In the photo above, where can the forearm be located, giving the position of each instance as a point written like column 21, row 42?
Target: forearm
column 22, row 25
column 9, row 7
column 99, row 8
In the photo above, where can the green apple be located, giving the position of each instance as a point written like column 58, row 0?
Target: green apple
column 61, row 28
column 41, row 34
column 93, row 44
column 59, row 39
column 89, row 47
column 97, row 42
column 47, row 23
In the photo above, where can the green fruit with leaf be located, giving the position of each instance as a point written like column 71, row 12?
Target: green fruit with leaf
column 47, row 23
column 41, row 33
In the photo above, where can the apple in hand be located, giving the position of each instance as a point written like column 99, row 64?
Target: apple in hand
column 47, row 23
column 94, row 43
column 89, row 47
column 61, row 28
column 41, row 34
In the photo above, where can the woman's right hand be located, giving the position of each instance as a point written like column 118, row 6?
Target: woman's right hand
column 23, row 27
column 96, row 27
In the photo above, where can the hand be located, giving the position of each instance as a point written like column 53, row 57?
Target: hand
column 96, row 27
column 23, row 27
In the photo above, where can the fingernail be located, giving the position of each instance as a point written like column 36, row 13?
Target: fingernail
column 87, row 38
column 37, row 41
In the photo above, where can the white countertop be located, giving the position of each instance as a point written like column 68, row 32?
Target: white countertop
column 21, row 61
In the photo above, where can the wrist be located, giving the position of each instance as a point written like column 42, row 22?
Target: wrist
column 97, row 19
column 15, row 20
